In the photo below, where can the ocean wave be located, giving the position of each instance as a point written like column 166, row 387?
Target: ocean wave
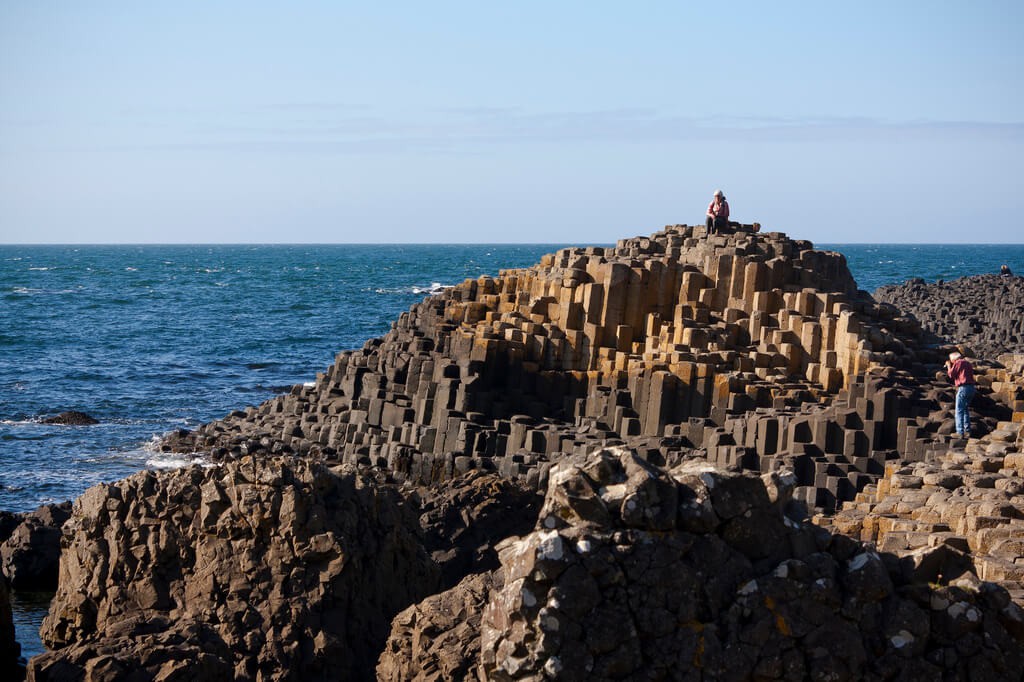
column 29, row 291
column 43, row 269
column 155, row 458
column 434, row 288
column 177, row 461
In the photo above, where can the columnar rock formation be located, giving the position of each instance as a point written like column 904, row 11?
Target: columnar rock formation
column 632, row 385
column 751, row 346
column 962, row 510
column 637, row 572
column 984, row 312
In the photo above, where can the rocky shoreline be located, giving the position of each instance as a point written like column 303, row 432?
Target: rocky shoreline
column 688, row 456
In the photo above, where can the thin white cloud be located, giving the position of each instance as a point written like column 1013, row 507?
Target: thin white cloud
column 345, row 129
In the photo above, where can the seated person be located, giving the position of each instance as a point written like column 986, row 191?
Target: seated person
column 718, row 213
column 1005, row 270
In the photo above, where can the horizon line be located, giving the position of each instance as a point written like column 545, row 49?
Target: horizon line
column 557, row 243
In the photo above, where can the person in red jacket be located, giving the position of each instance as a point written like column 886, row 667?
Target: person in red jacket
column 718, row 213
column 962, row 374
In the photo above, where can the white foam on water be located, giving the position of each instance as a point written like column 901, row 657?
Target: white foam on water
column 20, row 422
column 44, row 269
column 28, row 291
column 177, row 461
column 157, row 459
column 434, row 288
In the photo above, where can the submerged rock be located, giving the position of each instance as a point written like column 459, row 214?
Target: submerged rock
column 268, row 569
column 71, row 418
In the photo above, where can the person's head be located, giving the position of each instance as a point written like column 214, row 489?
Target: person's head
column 719, row 196
column 954, row 356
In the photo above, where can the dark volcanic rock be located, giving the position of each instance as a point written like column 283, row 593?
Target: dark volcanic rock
column 270, row 568
column 635, row 572
column 8, row 522
column 983, row 312
column 31, row 554
column 439, row 638
column 71, row 418
column 463, row 520
column 10, row 650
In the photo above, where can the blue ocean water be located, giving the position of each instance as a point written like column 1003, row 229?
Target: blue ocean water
column 874, row 265
column 152, row 338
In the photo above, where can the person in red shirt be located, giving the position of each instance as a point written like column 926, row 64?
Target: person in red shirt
column 962, row 374
column 718, row 213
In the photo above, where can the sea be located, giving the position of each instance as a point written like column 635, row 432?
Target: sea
column 148, row 339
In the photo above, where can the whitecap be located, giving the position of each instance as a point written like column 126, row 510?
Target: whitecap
column 434, row 288
column 177, row 461
column 131, row 269
column 157, row 459
column 43, row 269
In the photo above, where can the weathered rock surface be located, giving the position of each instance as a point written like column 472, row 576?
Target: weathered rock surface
column 463, row 520
column 8, row 522
column 31, row 553
column 636, row 572
column 983, row 312
column 71, row 418
column 439, row 638
column 263, row 568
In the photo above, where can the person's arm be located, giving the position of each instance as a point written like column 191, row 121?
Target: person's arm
column 725, row 210
column 711, row 206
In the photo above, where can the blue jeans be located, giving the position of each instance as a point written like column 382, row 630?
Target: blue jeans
column 964, row 396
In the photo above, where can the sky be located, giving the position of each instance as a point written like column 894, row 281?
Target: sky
column 543, row 122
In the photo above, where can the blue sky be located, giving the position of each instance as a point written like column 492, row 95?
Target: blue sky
column 569, row 122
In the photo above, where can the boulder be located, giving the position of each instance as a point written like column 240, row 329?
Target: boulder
column 259, row 569
column 8, row 522
column 439, row 638
column 71, row 418
column 463, row 519
column 30, row 556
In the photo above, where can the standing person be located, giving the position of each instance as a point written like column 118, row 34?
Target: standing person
column 962, row 374
column 718, row 213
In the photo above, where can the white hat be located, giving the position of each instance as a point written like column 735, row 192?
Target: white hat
column 954, row 356
column 718, row 193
